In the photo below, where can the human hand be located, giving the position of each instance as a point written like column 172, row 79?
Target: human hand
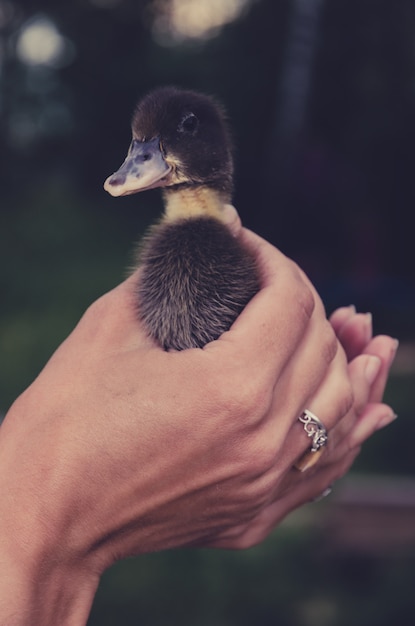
column 369, row 361
column 119, row 448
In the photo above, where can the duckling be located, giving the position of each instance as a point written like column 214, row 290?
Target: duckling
column 196, row 276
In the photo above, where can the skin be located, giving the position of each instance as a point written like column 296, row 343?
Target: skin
column 119, row 448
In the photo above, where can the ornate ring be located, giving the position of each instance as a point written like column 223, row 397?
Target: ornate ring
column 316, row 430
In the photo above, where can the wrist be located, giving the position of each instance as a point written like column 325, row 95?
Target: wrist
column 41, row 590
column 43, row 580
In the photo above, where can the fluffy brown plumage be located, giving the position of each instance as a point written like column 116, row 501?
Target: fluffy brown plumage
column 196, row 276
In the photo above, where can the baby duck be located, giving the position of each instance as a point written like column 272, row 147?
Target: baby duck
column 196, row 277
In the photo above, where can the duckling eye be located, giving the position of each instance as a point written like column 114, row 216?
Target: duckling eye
column 188, row 124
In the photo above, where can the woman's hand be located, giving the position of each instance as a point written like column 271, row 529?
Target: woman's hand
column 119, row 448
column 369, row 361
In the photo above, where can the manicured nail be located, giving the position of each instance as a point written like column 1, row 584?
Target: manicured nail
column 387, row 419
column 369, row 318
column 372, row 368
column 395, row 347
column 369, row 326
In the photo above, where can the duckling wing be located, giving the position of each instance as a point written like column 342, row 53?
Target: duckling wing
column 196, row 279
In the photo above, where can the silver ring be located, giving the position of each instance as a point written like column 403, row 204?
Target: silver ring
column 325, row 493
column 315, row 429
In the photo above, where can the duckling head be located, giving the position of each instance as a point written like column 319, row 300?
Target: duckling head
column 180, row 142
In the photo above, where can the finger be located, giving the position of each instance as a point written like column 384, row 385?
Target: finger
column 355, row 334
column 332, row 400
column 340, row 316
column 306, row 489
column 373, row 418
column 269, row 329
column 385, row 348
column 305, row 360
column 311, row 484
column 368, row 374
column 363, row 370
column 231, row 218
column 334, row 397
column 304, row 374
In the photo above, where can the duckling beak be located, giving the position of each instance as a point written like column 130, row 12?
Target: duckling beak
column 144, row 168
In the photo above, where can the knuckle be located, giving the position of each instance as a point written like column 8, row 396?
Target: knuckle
column 329, row 342
column 298, row 290
column 247, row 401
column 304, row 293
column 257, row 399
column 262, row 455
column 250, row 467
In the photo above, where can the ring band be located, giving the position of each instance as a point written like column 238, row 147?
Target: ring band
column 316, row 430
column 323, row 495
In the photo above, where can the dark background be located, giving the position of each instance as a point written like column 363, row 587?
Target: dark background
column 321, row 98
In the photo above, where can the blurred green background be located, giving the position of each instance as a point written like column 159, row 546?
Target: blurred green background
column 321, row 98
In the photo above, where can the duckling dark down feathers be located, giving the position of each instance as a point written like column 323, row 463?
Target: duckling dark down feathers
column 196, row 276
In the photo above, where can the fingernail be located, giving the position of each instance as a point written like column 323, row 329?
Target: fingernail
column 369, row 326
column 394, row 350
column 387, row 419
column 352, row 308
column 372, row 368
column 369, row 318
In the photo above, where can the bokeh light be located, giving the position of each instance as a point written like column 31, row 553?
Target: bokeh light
column 176, row 21
column 40, row 43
